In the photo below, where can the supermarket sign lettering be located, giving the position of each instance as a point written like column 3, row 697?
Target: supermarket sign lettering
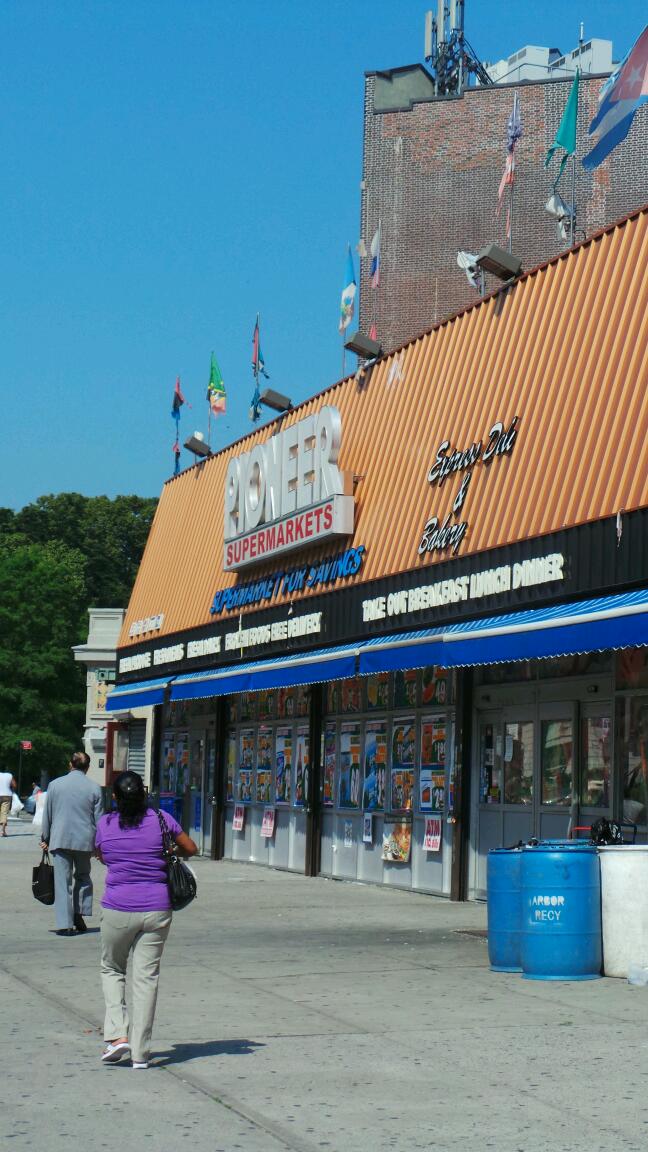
column 287, row 493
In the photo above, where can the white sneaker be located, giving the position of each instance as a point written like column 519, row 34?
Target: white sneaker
column 140, row 1063
column 113, row 1053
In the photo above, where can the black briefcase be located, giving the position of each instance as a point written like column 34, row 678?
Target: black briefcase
column 43, row 880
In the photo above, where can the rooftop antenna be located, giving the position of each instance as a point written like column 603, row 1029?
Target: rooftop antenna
column 452, row 59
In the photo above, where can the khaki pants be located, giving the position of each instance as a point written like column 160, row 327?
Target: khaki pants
column 144, row 935
column 5, row 809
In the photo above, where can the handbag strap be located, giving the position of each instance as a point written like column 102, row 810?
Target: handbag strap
column 166, row 836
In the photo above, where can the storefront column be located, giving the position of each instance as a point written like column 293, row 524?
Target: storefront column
column 220, row 780
column 462, row 766
column 313, row 785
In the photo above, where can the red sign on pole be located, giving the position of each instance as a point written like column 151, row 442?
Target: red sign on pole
column 26, row 745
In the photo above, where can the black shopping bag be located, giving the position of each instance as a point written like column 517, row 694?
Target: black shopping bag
column 43, row 880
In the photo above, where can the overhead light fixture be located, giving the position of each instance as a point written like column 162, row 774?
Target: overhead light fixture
column 362, row 346
column 275, row 400
column 198, row 445
column 498, row 262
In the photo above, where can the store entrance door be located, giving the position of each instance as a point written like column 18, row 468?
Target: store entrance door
column 196, row 790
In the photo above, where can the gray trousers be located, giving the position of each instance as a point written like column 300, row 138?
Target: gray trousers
column 72, row 885
column 142, row 934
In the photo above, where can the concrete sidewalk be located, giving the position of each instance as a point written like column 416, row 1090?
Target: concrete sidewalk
column 306, row 1015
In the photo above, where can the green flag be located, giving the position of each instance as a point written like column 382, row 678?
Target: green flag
column 216, row 388
column 566, row 135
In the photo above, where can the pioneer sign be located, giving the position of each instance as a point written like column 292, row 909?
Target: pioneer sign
column 287, row 493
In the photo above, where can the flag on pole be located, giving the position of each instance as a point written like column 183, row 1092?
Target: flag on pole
column 375, row 257
column 216, row 388
column 565, row 137
column 348, row 293
column 513, row 134
column 178, row 401
column 620, row 96
column 258, row 363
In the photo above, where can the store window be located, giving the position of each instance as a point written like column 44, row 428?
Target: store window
column 265, row 705
column 301, row 766
column 632, row 668
column 350, row 696
column 245, row 786
column 518, row 762
column 378, row 692
column 490, row 764
column 406, row 688
column 433, row 762
column 264, row 765
column 230, row 762
column 632, row 730
column 557, row 761
column 329, row 761
column 283, row 765
column 349, row 785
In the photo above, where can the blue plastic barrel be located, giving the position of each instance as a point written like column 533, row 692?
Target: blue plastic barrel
column 504, row 906
column 561, row 912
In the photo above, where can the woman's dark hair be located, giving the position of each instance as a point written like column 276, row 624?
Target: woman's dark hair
column 131, row 799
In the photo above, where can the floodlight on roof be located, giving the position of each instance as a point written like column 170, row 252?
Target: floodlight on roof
column 275, row 400
column 198, row 445
column 499, row 262
column 362, row 346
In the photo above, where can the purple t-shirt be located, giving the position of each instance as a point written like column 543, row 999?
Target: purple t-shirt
column 137, row 874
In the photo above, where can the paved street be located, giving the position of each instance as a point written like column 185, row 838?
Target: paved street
column 302, row 1015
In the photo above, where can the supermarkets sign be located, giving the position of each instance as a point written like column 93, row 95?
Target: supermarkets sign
column 287, row 493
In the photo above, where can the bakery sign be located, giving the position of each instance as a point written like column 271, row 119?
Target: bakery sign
column 447, row 534
column 287, row 493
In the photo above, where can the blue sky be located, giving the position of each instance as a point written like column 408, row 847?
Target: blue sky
column 169, row 168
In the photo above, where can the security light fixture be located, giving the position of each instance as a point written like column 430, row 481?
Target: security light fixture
column 197, row 445
column 362, row 346
column 498, row 262
column 275, row 400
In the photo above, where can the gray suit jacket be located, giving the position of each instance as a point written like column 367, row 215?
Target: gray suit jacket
column 73, row 805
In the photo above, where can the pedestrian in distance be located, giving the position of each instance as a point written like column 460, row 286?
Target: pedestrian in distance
column 7, row 788
column 136, row 915
column 73, row 806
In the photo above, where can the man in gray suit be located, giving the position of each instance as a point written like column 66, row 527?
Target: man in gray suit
column 73, row 806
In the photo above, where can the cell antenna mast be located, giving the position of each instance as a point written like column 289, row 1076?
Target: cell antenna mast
column 447, row 50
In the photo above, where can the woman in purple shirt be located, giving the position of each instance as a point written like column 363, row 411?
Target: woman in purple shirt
column 136, row 915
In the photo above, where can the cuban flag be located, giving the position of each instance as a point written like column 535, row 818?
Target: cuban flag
column 347, row 304
column 621, row 95
column 375, row 257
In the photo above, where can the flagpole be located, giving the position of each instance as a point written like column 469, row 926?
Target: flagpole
column 510, row 219
column 573, row 203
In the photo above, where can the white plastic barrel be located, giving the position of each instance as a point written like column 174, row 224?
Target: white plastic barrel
column 624, row 907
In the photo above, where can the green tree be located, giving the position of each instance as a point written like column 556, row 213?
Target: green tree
column 42, row 590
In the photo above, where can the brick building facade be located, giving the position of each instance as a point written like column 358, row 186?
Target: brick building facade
column 431, row 172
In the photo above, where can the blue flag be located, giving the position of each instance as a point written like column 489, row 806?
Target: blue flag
column 621, row 95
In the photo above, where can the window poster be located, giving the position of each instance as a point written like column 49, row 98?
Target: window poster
column 246, row 706
column 264, row 765
column 268, row 823
column 435, row 686
column 349, row 791
column 246, row 765
column 331, row 697
column 286, row 703
column 301, row 700
column 239, row 818
column 328, row 774
column 350, row 694
column 378, row 692
column 230, row 762
column 397, row 839
column 432, row 773
column 432, row 837
column 181, row 763
column 405, row 686
column 367, row 828
column 402, row 770
column 283, row 765
column 301, row 766
column 265, row 704
column 375, row 766
column 348, row 833
column 168, row 773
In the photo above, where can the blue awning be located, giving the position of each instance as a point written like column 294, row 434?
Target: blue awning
column 285, row 672
column 140, row 695
column 609, row 622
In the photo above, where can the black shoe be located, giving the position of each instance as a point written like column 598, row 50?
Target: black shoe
column 79, row 923
column 66, row 932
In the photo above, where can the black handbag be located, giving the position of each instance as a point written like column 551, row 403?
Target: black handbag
column 181, row 880
column 43, row 880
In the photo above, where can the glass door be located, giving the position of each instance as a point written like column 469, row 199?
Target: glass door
column 519, row 774
column 557, row 762
column 196, row 790
column 596, row 731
